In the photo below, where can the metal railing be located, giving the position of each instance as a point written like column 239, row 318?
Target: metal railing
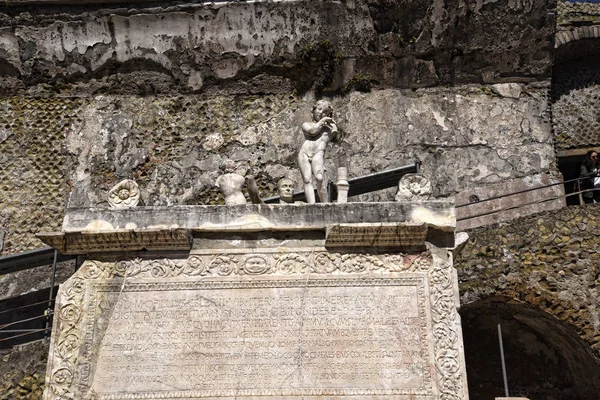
column 578, row 193
column 12, row 331
column 33, row 324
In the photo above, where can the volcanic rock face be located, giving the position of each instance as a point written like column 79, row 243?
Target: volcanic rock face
column 266, row 46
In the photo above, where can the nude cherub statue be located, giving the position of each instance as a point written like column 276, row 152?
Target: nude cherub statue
column 231, row 184
column 312, row 153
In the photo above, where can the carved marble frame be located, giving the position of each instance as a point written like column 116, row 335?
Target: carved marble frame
column 71, row 350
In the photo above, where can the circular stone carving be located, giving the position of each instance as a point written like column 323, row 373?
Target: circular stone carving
column 414, row 187
column 63, row 376
column 255, row 265
column 125, row 194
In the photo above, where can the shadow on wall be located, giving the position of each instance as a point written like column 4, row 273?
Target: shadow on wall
column 545, row 359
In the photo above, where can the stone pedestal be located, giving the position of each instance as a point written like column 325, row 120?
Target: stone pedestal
column 352, row 310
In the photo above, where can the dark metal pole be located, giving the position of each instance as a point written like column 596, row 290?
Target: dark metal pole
column 49, row 310
column 502, row 360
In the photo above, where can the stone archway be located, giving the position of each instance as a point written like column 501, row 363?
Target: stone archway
column 545, row 358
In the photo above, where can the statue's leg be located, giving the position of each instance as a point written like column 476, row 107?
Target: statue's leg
column 318, row 170
column 306, row 172
column 322, row 191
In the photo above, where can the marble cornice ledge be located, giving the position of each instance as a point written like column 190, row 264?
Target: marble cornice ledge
column 380, row 225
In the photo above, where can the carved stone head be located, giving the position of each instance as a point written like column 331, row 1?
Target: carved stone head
column 322, row 108
column 285, row 187
column 228, row 166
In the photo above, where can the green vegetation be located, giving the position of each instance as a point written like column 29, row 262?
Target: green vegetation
column 324, row 54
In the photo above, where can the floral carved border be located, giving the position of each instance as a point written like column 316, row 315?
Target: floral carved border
column 71, row 347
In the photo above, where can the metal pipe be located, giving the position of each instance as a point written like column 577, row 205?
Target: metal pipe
column 22, row 330
column 20, row 322
column 502, row 360
column 49, row 310
column 25, row 306
column 521, row 205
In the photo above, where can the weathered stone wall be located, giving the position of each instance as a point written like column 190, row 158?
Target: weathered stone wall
column 32, row 167
column 549, row 260
column 271, row 46
column 23, row 371
column 576, row 75
column 172, row 146
column 576, row 99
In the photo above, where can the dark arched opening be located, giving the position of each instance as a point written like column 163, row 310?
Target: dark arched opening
column 545, row 359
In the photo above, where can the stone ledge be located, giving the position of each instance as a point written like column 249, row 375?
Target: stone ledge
column 381, row 236
column 381, row 225
column 260, row 217
column 118, row 240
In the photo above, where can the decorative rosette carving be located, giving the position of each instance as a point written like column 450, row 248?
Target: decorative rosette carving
column 75, row 286
column 325, row 263
column 421, row 263
column 291, row 263
column 70, row 313
column 360, row 263
column 68, row 345
column 223, row 265
column 92, row 269
column 62, row 376
column 128, row 268
column 195, row 266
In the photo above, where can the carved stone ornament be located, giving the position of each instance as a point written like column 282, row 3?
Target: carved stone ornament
column 414, row 187
column 125, row 194
column 231, row 184
column 245, row 324
column 386, row 235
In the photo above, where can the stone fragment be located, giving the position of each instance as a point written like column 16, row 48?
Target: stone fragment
column 231, row 184
column 511, row 90
column 414, row 187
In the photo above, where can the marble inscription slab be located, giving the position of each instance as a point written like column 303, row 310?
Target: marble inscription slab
column 271, row 324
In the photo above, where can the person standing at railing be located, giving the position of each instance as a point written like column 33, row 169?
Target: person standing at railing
column 590, row 170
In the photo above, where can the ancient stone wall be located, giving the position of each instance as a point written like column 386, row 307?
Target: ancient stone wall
column 23, row 371
column 549, row 260
column 268, row 46
column 576, row 76
column 74, row 150
column 164, row 94
column 32, row 166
